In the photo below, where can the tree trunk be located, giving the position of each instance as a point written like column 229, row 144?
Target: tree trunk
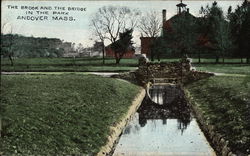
column 152, row 55
column 182, row 53
column 0, row 127
column 217, row 59
column 117, row 58
column 11, row 60
column 199, row 55
column 158, row 57
column 103, row 52
column 248, row 60
column 223, row 59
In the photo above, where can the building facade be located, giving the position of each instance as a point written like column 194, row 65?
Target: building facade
column 168, row 28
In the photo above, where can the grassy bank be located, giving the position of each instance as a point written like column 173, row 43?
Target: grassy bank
column 224, row 68
column 60, row 114
column 225, row 102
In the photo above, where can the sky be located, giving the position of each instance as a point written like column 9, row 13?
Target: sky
column 78, row 30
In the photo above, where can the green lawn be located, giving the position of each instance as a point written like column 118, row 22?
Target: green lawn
column 60, row 114
column 95, row 64
column 98, row 61
column 224, row 68
column 67, row 64
column 66, row 68
column 207, row 60
column 67, row 61
column 76, row 61
column 212, row 60
column 225, row 103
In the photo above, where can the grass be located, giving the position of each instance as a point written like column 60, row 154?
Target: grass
column 95, row 64
column 67, row 64
column 67, row 61
column 207, row 60
column 66, row 68
column 225, row 103
column 224, row 68
column 212, row 60
column 60, row 114
column 98, row 61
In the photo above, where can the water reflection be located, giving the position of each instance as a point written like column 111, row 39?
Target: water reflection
column 164, row 94
column 165, row 102
column 164, row 128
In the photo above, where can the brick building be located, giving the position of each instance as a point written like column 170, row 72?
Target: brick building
column 167, row 27
column 110, row 52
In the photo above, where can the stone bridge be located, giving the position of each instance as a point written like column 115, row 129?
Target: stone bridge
column 173, row 72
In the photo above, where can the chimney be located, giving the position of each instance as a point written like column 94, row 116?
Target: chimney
column 187, row 10
column 164, row 12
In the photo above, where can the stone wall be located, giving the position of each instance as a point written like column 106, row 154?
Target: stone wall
column 173, row 72
column 218, row 141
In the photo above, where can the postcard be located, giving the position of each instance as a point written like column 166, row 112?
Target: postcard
column 125, row 77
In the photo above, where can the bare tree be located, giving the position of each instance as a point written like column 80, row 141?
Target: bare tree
column 99, row 31
column 109, row 21
column 150, row 24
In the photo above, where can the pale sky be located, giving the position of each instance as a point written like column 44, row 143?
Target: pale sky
column 78, row 31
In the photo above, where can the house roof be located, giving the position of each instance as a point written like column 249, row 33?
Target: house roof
column 202, row 40
column 167, row 25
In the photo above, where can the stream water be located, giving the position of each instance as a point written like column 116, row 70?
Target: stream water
column 163, row 125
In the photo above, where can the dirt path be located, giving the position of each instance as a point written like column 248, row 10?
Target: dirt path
column 105, row 74
column 227, row 74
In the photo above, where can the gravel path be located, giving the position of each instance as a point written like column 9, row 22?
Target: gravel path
column 105, row 74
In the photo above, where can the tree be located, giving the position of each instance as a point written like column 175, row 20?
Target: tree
column 150, row 24
column 244, row 36
column 217, row 26
column 203, row 30
column 109, row 21
column 79, row 48
column 100, row 32
column 123, row 45
column 239, row 29
column 160, row 47
column 223, row 40
column 7, row 44
column 184, row 34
